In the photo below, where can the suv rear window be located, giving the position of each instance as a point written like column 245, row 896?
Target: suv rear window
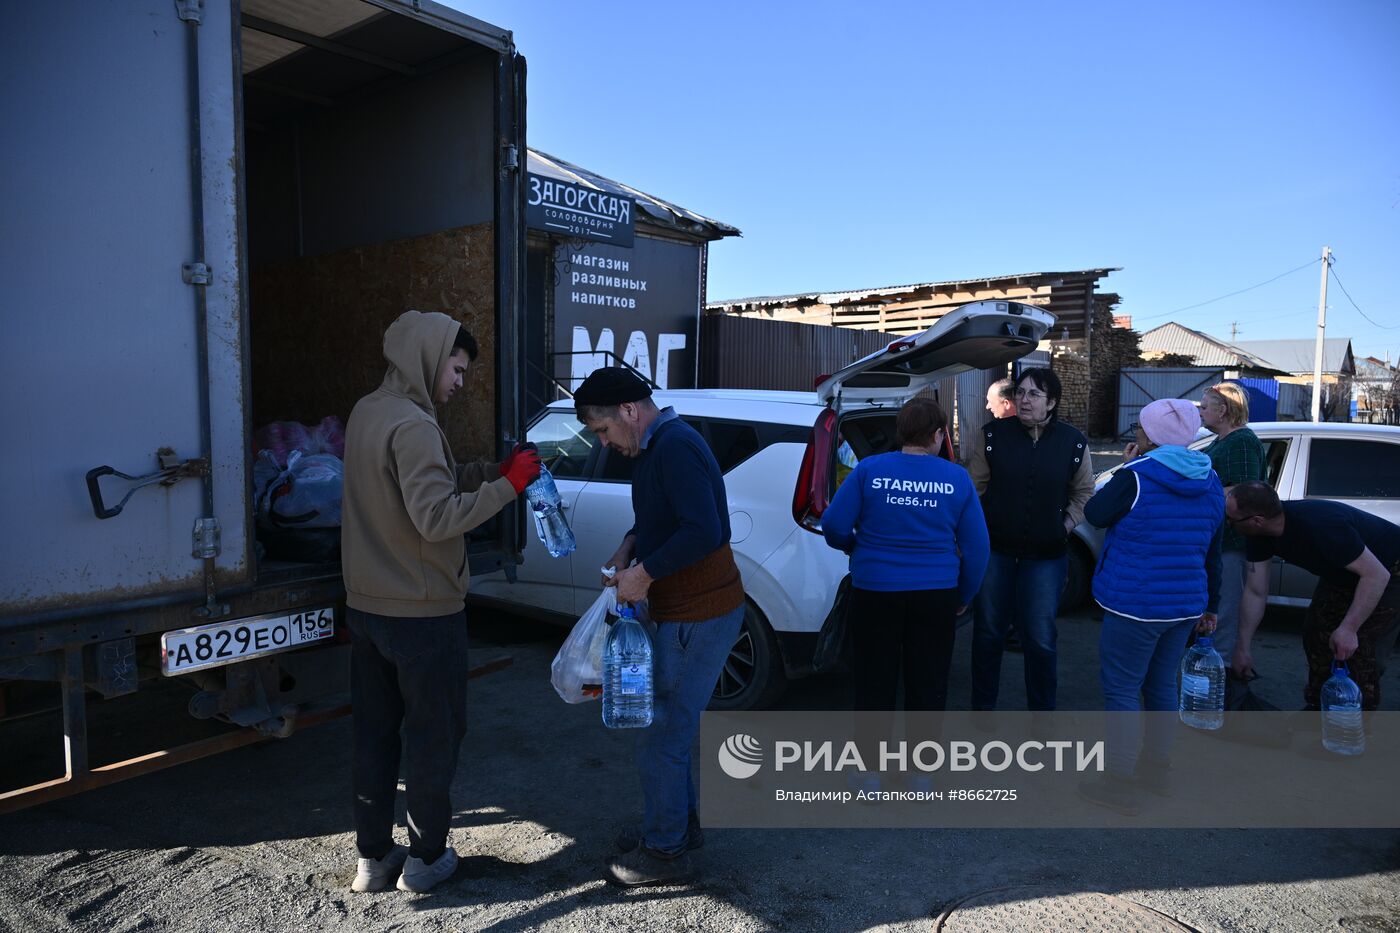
column 1353, row 469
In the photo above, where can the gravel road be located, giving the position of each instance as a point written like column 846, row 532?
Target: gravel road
column 260, row 839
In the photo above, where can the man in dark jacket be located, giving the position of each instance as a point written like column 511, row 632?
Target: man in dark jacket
column 1355, row 610
column 685, row 569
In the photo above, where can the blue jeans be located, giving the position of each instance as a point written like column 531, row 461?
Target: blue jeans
column 1138, row 664
column 687, row 658
column 1021, row 594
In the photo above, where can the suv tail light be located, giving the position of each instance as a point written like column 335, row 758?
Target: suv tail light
column 811, row 497
column 947, row 450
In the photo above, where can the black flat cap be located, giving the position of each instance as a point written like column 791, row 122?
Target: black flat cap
column 611, row 385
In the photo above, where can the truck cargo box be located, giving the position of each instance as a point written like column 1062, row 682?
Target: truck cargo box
column 213, row 211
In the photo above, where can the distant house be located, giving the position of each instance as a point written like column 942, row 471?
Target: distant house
column 1376, row 391
column 1296, row 357
column 1172, row 339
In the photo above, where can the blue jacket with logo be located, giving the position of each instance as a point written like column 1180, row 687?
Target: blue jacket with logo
column 910, row 522
column 1161, row 557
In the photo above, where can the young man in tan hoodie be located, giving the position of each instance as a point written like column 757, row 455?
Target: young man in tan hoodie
column 407, row 507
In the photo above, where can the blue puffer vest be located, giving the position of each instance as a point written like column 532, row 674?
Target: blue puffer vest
column 1153, row 566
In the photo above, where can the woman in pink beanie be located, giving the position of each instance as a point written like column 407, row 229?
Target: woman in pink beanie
column 1159, row 578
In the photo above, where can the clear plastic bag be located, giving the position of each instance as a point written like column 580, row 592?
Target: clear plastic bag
column 577, row 671
column 306, row 494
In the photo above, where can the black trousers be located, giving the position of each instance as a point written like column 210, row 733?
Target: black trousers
column 909, row 630
column 409, row 674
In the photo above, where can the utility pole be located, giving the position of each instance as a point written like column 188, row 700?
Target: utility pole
column 1234, row 330
column 1321, row 331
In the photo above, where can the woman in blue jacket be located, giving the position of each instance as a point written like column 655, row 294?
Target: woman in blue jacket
column 913, row 526
column 1158, row 578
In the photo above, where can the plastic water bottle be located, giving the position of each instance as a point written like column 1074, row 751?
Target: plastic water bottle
column 627, row 687
column 1202, row 696
column 1342, row 731
column 550, row 523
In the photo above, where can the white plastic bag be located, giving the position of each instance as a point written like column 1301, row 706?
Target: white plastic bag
column 577, row 671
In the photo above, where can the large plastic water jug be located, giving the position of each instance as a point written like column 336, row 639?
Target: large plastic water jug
column 627, row 674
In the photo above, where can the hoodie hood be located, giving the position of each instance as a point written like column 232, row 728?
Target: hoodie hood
column 417, row 346
column 1191, row 464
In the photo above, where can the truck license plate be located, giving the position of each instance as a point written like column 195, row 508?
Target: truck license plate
column 226, row 642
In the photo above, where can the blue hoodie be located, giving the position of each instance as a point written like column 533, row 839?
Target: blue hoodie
column 1161, row 557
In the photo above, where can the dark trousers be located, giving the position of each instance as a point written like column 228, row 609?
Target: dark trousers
column 409, row 674
column 909, row 630
column 1375, row 639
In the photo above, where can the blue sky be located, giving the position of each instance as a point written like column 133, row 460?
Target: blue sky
column 1203, row 147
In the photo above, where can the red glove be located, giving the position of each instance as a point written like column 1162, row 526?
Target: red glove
column 515, row 452
column 522, row 467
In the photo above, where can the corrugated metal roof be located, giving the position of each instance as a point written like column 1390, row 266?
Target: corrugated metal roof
column 1203, row 348
column 662, row 212
column 1297, row 356
column 858, row 295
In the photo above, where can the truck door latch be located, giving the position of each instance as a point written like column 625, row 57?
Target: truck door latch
column 194, row 273
column 172, row 470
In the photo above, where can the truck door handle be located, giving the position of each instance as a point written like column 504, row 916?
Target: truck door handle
column 171, row 472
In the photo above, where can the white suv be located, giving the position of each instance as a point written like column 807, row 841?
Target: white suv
column 778, row 454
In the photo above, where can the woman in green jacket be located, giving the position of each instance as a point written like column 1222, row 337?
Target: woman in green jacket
column 1237, row 457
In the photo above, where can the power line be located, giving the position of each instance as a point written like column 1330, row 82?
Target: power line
column 1354, row 305
column 1202, row 304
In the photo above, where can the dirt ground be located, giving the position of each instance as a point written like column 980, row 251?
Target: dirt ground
column 260, row 838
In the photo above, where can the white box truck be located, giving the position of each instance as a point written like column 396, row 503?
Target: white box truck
column 212, row 210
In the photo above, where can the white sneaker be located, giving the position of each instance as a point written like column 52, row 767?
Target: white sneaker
column 418, row 877
column 374, row 874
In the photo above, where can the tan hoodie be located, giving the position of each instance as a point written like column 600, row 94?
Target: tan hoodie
column 407, row 503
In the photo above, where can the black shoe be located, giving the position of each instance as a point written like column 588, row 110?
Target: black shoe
column 1113, row 792
column 631, row 837
column 1154, row 776
column 642, row 866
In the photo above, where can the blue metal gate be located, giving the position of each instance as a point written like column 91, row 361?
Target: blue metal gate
column 1140, row 386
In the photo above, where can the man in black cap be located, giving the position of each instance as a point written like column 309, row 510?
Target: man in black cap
column 684, row 567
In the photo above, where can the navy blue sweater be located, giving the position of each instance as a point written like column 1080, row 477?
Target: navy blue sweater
column 910, row 522
column 678, row 499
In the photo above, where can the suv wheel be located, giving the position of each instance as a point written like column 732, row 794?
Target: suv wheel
column 753, row 675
